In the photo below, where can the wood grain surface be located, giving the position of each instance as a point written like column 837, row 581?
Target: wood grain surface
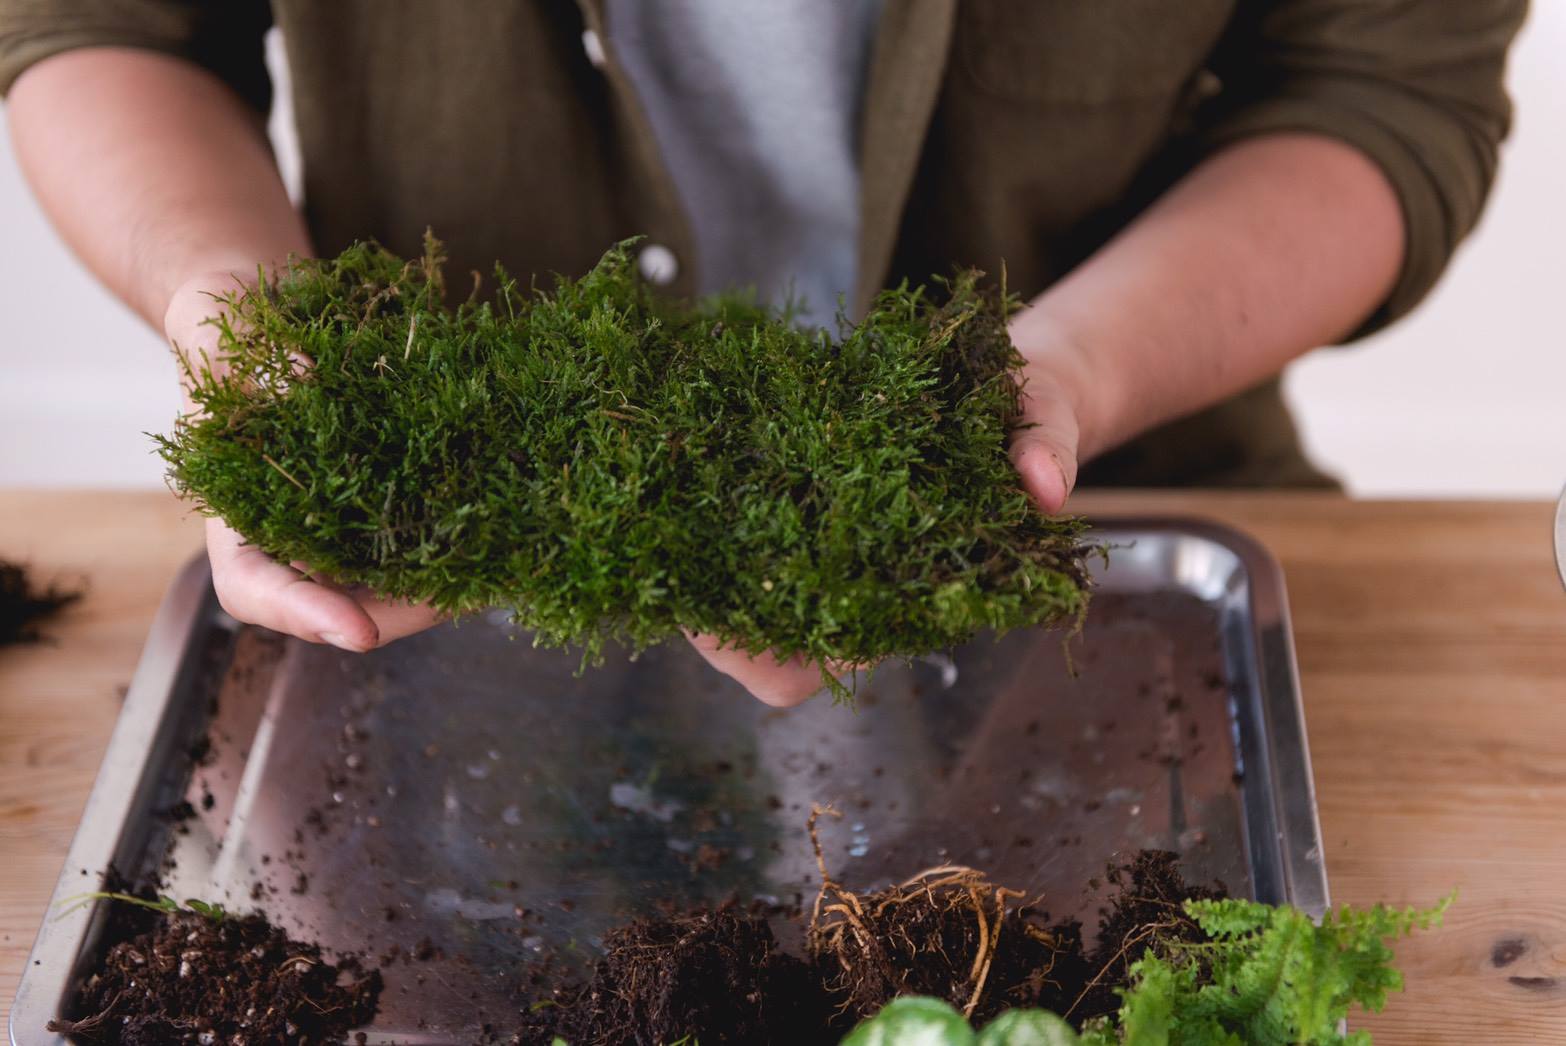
column 1432, row 647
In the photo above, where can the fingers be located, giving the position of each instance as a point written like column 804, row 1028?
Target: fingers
column 775, row 682
column 185, row 323
column 396, row 619
column 260, row 591
column 1044, row 451
column 188, row 325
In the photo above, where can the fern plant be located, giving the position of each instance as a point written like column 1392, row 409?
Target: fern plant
column 1265, row 976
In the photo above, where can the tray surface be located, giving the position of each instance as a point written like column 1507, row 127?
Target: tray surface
column 467, row 797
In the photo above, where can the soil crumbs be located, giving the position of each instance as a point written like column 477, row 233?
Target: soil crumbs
column 194, row 979
column 718, row 976
column 717, row 971
column 708, row 975
column 22, row 606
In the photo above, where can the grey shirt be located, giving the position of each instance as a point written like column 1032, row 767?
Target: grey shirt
column 755, row 106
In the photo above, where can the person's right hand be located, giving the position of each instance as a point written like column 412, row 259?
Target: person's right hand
column 251, row 586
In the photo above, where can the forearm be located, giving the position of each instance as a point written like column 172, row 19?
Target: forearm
column 153, row 170
column 1265, row 251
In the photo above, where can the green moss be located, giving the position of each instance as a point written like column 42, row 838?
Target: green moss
column 612, row 465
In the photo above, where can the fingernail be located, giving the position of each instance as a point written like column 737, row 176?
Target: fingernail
column 339, row 641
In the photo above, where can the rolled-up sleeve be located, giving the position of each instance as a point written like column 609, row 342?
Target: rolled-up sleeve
column 1417, row 85
column 224, row 36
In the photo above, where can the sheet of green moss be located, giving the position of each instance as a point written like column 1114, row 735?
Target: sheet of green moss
column 612, row 465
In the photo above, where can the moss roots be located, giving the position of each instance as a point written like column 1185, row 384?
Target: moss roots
column 614, row 466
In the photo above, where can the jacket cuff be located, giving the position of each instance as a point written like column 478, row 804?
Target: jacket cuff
column 226, row 38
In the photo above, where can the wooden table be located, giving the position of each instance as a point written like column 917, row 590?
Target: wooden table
column 1432, row 646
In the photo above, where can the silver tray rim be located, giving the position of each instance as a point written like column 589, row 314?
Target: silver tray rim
column 1252, row 591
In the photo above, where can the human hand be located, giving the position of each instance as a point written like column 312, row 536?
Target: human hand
column 1048, row 439
column 251, row 586
column 1044, row 451
column 772, row 680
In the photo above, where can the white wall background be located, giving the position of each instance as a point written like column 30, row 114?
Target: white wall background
column 1467, row 397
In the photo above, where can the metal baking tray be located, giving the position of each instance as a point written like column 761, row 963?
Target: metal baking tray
column 476, row 800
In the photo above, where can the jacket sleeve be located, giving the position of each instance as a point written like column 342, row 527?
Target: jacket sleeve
column 224, row 36
column 1417, row 85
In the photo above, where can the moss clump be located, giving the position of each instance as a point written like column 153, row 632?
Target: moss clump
column 612, row 465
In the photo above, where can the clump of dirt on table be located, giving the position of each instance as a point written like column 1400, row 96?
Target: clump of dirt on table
column 718, row 973
column 718, row 976
column 23, row 606
column 195, row 979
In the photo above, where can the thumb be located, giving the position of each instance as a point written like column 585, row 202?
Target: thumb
column 1049, row 472
column 190, row 333
column 187, row 322
column 1044, row 450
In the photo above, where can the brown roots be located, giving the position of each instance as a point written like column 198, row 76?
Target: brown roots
column 718, row 975
column 715, row 975
column 946, row 932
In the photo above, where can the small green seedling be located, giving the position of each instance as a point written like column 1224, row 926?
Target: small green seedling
column 164, row 903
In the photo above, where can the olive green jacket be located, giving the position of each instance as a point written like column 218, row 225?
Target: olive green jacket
column 1023, row 131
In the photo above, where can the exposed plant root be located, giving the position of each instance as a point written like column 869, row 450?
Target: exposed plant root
column 718, row 974
column 935, row 933
column 715, row 975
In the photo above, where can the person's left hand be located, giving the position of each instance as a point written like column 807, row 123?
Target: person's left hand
column 1044, row 450
column 780, row 682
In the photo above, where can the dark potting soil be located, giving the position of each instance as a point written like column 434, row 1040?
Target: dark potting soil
column 193, row 979
column 717, row 975
column 23, row 606
column 717, row 972
column 948, row 933
column 1147, row 903
column 714, row 975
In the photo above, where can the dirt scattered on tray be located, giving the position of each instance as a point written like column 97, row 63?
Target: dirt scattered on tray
column 718, row 975
column 178, row 814
column 200, row 751
column 717, row 972
column 194, row 979
column 24, row 606
column 1147, row 901
column 713, row 975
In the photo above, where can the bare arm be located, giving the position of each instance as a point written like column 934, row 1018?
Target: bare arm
column 1270, row 248
column 1265, row 251
column 153, row 170
column 162, row 181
